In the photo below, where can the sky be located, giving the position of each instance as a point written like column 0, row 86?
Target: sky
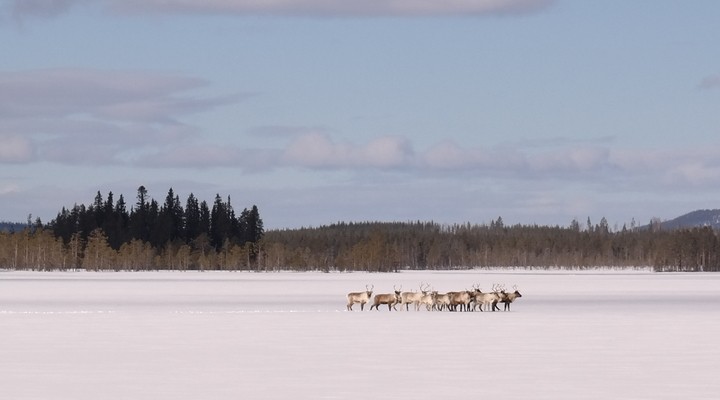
column 320, row 111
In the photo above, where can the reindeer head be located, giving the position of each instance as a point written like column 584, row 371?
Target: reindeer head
column 398, row 292
column 516, row 291
column 369, row 290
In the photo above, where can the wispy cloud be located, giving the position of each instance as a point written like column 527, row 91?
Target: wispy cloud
column 202, row 156
column 563, row 159
column 98, row 117
column 320, row 151
column 335, row 8
column 9, row 189
column 572, row 160
column 285, row 131
column 15, row 149
column 710, row 82
column 118, row 95
column 37, row 8
column 93, row 116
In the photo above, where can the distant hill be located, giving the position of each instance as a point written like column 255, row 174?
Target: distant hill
column 694, row 219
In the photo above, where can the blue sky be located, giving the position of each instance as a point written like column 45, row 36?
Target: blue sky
column 320, row 111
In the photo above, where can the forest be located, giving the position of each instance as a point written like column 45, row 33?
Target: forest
column 106, row 235
column 110, row 235
column 427, row 245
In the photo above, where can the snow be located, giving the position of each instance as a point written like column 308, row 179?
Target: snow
column 232, row 335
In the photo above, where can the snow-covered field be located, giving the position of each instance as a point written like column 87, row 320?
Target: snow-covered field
column 231, row 335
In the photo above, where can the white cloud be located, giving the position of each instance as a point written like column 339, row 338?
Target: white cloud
column 562, row 158
column 48, row 8
column 569, row 160
column 15, row 149
column 451, row 156
column 678, row 168
column 109, row 94
column 37, row 8
column 386, row 151
column 88, row 116
column 319, row 151
column 284, row 131
column 695, row 173
column 193, row 155
column 9, row 189
column 334, row 7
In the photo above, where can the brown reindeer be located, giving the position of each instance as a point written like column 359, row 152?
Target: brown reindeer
column 391, row 299
column 509, row 298
column 461, row 299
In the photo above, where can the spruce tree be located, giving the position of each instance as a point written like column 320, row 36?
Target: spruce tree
column 192, row 218
column 139, row 217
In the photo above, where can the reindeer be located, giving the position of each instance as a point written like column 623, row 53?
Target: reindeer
column 414, row 298
column 359, row 297
column 509, row 298
column 461, row 299
column 428, row 300
column 440, row 301
column 391, row 299
column 487, row 300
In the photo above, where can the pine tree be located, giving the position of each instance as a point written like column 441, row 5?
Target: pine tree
column 192, row 218
column 254, row 225
column 220, row 224
column 205, row 218
column 140, row 218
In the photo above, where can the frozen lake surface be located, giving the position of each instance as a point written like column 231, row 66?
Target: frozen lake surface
column 232, row 335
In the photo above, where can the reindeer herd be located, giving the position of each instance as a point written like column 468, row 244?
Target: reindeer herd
column 466, row 300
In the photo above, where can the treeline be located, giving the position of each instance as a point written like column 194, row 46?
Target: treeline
column 106, row 235
column 6, row 226
column 149, row 236
column 426, row 245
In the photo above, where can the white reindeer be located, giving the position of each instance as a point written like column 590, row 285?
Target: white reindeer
column 428, row 300
column 359, row 297
column 441, row 301
column 414, row 298
column 486, row 300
